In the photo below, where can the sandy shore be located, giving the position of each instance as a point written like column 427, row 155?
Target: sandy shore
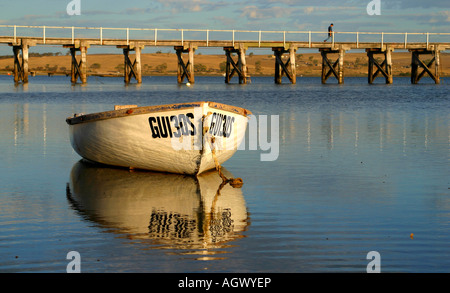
column 258, row 65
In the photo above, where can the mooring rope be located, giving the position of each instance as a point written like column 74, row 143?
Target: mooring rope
column 234, row 182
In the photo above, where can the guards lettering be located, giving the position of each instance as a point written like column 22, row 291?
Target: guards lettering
column 161, row 126
column 221, row 125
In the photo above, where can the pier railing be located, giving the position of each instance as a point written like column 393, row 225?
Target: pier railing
column 260, row 36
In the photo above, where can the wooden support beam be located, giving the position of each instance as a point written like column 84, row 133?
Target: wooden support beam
column 18, row 73
column 138, row 64
column 78, row 69
column 341, row 66
column 243, row 65
column 239, row 67
column 128, row 67
column 230, row 64
column 278, row 66
column 416, row 63
column 437, row 64
column 132, row 69
column 293, row 65
column 336, row 68
column 191, row 63
column 388, row 56
column 21, row 63
column 83, row 65
column 182, row 68
column 282, row 67
column 74, row 72
column 385, row 68
column 185, row 70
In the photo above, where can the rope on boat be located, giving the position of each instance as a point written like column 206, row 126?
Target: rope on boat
column 234, row 182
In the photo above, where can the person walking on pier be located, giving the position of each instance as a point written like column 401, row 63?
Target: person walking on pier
column 330, row 32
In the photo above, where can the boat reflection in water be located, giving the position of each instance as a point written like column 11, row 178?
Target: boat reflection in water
column 196, row 215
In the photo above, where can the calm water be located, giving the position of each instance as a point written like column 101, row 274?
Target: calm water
column 360, row 168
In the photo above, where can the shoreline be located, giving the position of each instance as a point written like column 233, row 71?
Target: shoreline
column 50, row 74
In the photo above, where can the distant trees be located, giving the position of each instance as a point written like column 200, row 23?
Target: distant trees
column 31, row 54
column 258, row 66
column 95, row 66
column 223, row 66
column 161, row 67
column 199, row 68
column 48, row 54
column 120, row 67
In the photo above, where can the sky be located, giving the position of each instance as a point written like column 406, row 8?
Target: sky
column 348, row 15
column 302, row 15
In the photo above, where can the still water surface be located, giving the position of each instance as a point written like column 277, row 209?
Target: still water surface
column 360, row 168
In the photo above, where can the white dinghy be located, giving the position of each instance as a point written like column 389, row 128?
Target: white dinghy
column 187, row 138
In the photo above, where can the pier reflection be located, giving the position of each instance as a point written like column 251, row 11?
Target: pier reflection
column 357, row 130
column 192, row 215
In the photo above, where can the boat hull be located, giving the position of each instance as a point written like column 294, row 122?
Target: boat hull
column 177, row 138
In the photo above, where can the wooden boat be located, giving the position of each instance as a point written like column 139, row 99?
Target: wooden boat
column 187, row 138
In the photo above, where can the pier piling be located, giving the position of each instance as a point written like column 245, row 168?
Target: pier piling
column 239, row 67
column 78, row 69
column 185, row 70
column 385, row 68
column 337, row 68
column 132, row 69
column 282, row 67
column 426, row 68
column 21, row 63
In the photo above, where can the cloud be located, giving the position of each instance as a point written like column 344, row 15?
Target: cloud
column 225, row 21
column 180, row 6
column 253, row 12
column 442, row 16
column 308, row 10
column 136, row 10
column 407, row 4
column 196, row 8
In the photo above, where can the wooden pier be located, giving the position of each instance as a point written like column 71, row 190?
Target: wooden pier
column 328, row 50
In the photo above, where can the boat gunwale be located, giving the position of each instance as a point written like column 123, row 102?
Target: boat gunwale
column 152, row 109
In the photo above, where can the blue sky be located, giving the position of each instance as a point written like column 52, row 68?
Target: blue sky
column 347, row 15
column 295, row 15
